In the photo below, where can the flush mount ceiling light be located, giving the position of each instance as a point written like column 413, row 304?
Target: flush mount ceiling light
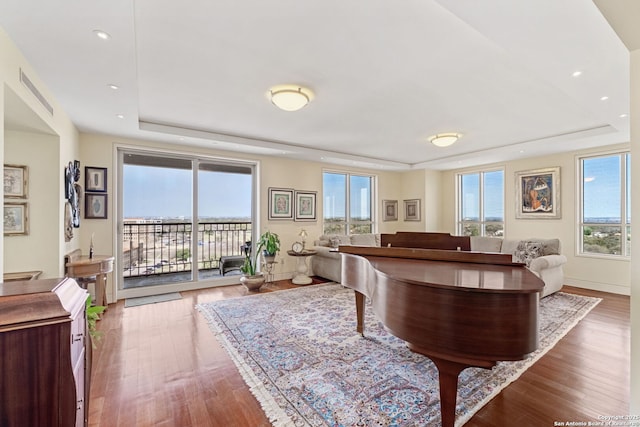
column 444, row 139
column 290, row 97
column 102, row 34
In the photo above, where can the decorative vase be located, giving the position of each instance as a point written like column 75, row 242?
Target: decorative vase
column 252, row 283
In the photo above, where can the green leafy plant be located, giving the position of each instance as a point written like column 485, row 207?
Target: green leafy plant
column 269, row 242
column 93, row 315
column 183, row 254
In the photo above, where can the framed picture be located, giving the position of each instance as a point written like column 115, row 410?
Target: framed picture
column 95, row 179
column 412, row 210
column 538, row 193
column 16, row 219
column 305, row 206
column 280, row 203
column 389, row 210
column 95, row 206
column 15, row 181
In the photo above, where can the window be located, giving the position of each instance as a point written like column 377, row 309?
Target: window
column 605, row 190
column 348, row 203
column 481, row 203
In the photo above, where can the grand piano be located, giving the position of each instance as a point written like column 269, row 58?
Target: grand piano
column 459, row 308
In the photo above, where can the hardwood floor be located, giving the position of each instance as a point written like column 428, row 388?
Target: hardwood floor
column 160, row 365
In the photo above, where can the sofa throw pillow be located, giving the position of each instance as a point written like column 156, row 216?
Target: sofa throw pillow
column 364, row 240
column 527, row 251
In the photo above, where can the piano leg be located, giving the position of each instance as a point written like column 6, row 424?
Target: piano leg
column 360, row 299
column 448, row 377
column 448, row 371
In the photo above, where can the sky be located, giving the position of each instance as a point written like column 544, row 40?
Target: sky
column 602, row 187
column 163, row 192
column 334, row 192
column 602, row 190
column 493, row 195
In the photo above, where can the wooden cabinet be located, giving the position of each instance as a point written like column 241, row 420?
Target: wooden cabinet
column 43, row 353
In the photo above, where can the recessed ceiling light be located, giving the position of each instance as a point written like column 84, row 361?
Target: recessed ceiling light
column 120, row 116
column 112, row 86
column 604, row 98
column 577, row 73
column 623, row 116
column 102, row 35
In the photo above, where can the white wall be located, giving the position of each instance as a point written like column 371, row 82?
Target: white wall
column 99, row 151
column 413, row 186
column 33, row 251
column 587, row 272
column 56, row 136
column 635, row 236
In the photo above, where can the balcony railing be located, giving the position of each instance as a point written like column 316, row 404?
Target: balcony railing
column 162, row 247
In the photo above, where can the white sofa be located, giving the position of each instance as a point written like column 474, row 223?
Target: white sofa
column 542, row 256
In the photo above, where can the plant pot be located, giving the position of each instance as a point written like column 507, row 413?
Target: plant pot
column 268, row 258
column 252, row 283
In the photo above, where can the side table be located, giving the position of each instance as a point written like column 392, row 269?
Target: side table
column 301, row 277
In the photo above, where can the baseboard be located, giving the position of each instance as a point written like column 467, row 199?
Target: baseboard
column 596, row 286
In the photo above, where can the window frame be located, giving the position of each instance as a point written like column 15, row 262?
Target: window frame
column 624, row 159
column 348, row 223
column 482, row 222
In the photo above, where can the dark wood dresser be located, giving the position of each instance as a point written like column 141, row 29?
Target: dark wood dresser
column 43, row 353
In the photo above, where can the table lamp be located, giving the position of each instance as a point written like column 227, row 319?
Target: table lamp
column 303, row 234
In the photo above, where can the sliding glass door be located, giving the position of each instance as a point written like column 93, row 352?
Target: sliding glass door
column 224, row 217
column 180, row 216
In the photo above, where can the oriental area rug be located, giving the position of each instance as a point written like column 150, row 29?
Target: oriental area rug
column 300, row 354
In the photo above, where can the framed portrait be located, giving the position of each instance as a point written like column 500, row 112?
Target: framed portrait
column 15, row 181
column 95, row 179
column 95, row 206
column 538, row 193
column 16, row 219
column 280, row 203
column 412, row 210
column 389, row 210
column 305, row 206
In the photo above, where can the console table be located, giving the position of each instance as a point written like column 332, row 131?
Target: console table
column 20, row 276
column 83, row 267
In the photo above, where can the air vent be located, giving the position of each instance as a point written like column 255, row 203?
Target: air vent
column 29, row 85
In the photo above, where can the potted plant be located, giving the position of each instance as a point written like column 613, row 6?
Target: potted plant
column 251, row 278
column 93, row 315
column 270, row 244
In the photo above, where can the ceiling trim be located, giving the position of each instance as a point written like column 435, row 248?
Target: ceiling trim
column 278, row 148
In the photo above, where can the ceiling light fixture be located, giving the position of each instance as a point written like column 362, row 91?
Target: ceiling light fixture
column 604, row 98
column 290, row 97
column 444, row 139
column 102, row 35
column 577, row 73
column 112, row 86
